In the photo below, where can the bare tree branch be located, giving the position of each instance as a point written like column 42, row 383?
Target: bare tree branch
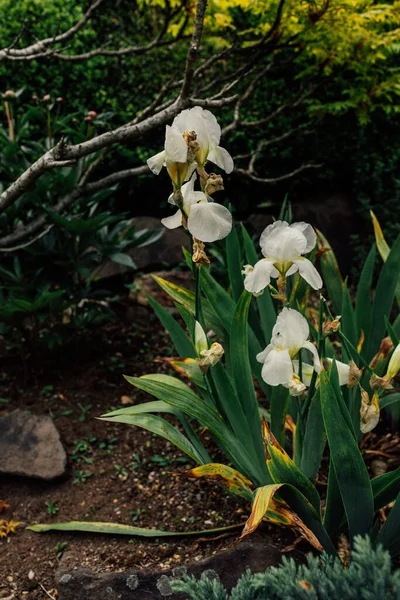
column 194, row 48
column 83, row 189
column 42, row 46
column 254, row 177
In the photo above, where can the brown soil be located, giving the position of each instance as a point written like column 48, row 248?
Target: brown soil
column 135, row 475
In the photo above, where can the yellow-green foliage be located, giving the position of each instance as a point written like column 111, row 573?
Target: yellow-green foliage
column 357, row 38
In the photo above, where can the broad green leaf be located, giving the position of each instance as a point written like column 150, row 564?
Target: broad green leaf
column 334, row 509
column 278, row 405
column 236, row 482
column 187, row 299
column 241, row 370
column 123, row 259
column 384, row 296
column 229, row 404
column 330, row 273
column 385, row 488
column 178, row 394
column 388, row 399
column 389, row 535
column 350, row 470
column 234, row 261
column 264, row 506
column 314, row 441
column 183, row 345
column 225, row 309
column 363, row 297
column 261, row 500
column 381, row 243
column 119, row 529
column 189, row 367
column 348, row 321
column 160, row 427
column 283, row 470
column 146, row 407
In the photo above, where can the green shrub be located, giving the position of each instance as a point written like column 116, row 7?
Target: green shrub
column 369, row 577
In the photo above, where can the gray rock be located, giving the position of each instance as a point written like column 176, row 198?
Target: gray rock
column 138, row 585
column 30, row 446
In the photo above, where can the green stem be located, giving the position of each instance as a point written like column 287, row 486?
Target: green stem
column 197, row 294
column 349, row 346
column 321, row 346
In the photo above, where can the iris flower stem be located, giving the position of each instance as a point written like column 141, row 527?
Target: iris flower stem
column 352, row 350
column 321, row 347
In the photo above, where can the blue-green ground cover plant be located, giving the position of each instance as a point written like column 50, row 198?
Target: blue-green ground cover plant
column 370, row 576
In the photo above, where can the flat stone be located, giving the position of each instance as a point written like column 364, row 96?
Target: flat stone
column 77, row 583
column 30, row 446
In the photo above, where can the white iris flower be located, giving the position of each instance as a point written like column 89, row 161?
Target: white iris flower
column 174, row 157
column 283, row 245
column 207, row 221
column 289, row 335
column 307, row 371
column 208, row 133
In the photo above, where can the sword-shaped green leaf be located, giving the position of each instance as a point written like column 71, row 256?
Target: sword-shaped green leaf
column 350, row 470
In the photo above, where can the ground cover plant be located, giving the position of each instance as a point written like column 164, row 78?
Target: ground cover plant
column 369, row 575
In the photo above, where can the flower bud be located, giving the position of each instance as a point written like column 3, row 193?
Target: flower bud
column 369, row 413
column 377, row 382
column 60, row 99
column 199, row 255
column 330, row 326
column 214, row 183
column 296, row 386
column 9, row 95
column 354, row 374
column 91, row 116
column 200, row 339
column 209, row 358
column 247, row 269
column 394, row 363
column 46, row 98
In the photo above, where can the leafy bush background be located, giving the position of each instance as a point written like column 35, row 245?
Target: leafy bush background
column 360, row 154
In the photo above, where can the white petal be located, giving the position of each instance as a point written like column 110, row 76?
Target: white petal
column 277, row 225
column 192, row 120
column 278, row 368
column 343, row 371
column 284, row 244
column 394, row 363
column 191, row 169
column 309, row 272
column 261, row 356
column 213, row 129
column 175, row 146
column 156, row 162
column 306, row 371
column 308, row 233
column 258, row 279
column 290, row 331
column 309, row 346
column 209, row 222
column 221, row 157
column 173, row 221
column 293, row 269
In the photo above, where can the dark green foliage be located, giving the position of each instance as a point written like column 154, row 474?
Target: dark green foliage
column 369, row 577
column 55, row 274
